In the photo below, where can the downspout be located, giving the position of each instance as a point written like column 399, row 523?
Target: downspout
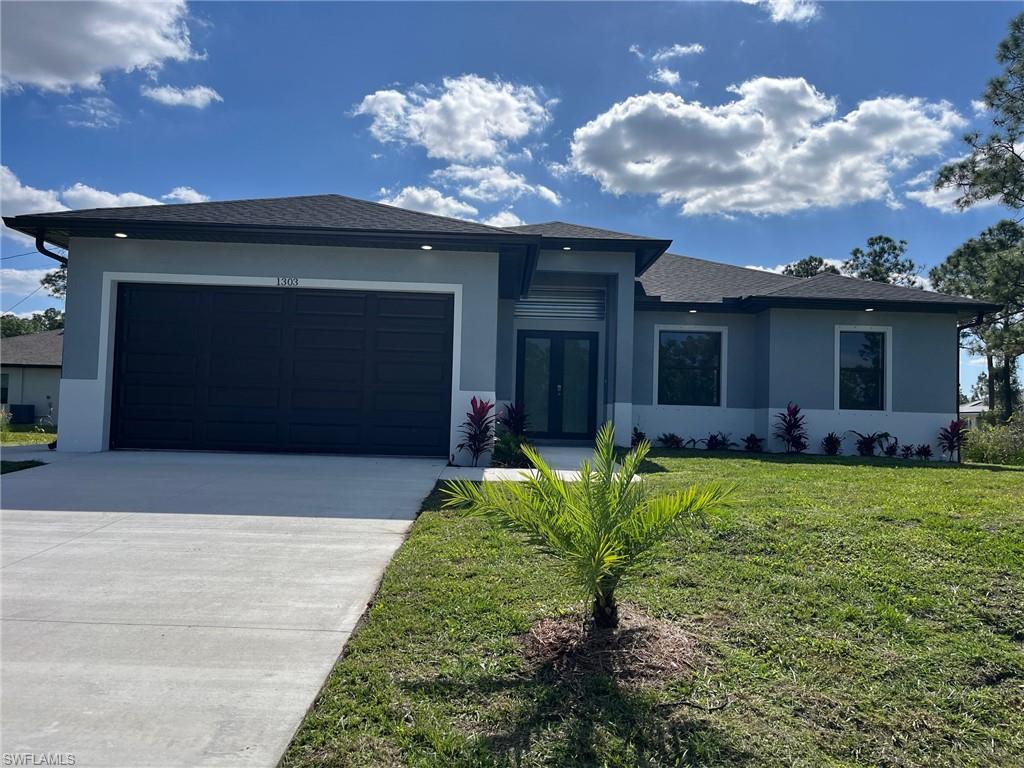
column 41, row 247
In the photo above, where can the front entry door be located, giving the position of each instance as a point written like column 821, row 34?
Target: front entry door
column 556, row 382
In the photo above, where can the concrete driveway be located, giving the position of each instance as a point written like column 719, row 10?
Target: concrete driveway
column 183, row 609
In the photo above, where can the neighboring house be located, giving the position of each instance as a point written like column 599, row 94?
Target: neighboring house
column 30, row 373
column 972, row 412
column 327, row 323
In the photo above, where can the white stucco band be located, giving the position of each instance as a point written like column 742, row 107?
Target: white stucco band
column 698, row 421
column 83, row 409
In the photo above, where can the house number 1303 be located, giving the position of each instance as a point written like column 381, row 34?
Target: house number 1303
column 290, row 282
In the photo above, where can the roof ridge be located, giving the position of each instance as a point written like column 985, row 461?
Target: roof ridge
column 379, row 204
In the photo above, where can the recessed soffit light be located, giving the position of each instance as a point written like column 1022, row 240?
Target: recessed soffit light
column 426, row 247
column 566, row 248
column 120, row 234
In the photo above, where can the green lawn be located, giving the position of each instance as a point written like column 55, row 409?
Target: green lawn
column 850, row 612
column 14, row 466
column 27, row 434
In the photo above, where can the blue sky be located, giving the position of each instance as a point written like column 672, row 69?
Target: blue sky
column 681, row 120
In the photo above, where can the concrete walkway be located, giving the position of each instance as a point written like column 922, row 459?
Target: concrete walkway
column 183, row 609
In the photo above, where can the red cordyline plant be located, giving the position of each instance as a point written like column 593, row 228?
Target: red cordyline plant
column 951, row 438
column 790, row 429
column 478, row 429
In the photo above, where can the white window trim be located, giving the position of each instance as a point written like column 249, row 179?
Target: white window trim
column 887, row 395
column 723, row 379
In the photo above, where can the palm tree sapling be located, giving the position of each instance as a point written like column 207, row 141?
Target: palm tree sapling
column 601, row 527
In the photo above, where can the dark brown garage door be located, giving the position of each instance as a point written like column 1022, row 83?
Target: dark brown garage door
column 267, row 369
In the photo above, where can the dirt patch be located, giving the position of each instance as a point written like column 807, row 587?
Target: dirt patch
column 642, row 651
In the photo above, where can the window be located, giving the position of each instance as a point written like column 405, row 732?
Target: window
column 5, row 379
column 689, row 367
column 862, row 364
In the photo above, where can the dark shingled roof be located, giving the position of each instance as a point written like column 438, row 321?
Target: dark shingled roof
column 839, row 287
column 319, row 211
column 44, row 349
column 688, row 280
column 566, row 231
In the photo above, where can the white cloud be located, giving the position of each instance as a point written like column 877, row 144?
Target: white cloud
column 93, row 112
column 81, row 195
column 430, row 200
column 979, row 107
column 921, row 189
column 504, row 218
column 198, row 96
column 185, row 195
column 664, row 75
column 60, row 46
column 777, row 147
column 20, row 281
column 797, row 11
column 779, row 268
column 468, row 118
column 492, row 183
column 17, row 198
column 678, row 51
column 637, row 51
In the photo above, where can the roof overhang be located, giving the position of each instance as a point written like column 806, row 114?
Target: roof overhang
column 754, row 304
column 646, row 251
column 519, row 252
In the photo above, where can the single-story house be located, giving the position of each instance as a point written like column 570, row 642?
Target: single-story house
column 972, row 412
column 30, row 375
column 331, row 324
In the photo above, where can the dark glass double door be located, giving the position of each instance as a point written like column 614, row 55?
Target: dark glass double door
column 556, row 382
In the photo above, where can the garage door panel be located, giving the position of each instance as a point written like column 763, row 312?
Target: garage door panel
column 268, row 369
column 159, row 395
column 326, row 303
column 320, row 338
column 406, row 308
column 244, row 397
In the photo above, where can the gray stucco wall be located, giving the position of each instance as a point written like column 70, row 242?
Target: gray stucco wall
column 90, row 258
column 741, row 375
column 924, row 358
column 32, row 386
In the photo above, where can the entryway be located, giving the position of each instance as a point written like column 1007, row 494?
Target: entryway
column 556, row 382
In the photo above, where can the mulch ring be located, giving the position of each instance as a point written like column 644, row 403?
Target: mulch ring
column 642, row 651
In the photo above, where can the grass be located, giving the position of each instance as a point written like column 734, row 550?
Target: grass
column 15, row 466
column 27, row 434
column 853, row 612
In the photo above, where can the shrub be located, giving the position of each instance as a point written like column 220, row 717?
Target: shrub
column 1002, row 444
column 639, row 436
column 602, row 528
column 831, row 444
column 907, row 451
column 478, row 429
column 508, row 451
column 866, row 444
column 513, row 419
column 790, row 429
column 670, row 440
column 951, row 438
column 923, row 451
column 753, row 444
column 890, row 449
column 718, row 441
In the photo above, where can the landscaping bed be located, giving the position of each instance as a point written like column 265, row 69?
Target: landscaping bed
column 27, row 434
column 840, row 611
